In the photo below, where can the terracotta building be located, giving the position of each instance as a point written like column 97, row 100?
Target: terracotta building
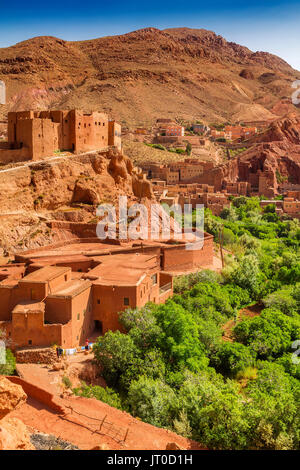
column 60, row 294
column 52, row 306
column 33, row 135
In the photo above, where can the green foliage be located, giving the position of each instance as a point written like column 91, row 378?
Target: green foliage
column 66, row 381
column 269, row 335
column 107, row 395
column 231, row 358
column 153, row 401
column 114, row 352
column 173, row 369
column 9, row 367
column 188, row 148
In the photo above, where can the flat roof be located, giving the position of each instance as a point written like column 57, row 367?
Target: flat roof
column 45, row 274
column 71, row 288
column 29, row 306
column 123, row 269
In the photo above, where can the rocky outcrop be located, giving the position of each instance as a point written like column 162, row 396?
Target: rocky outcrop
column 11, row 396
column 283, row 130
column 247, row 74
column 85, row 192
column 13, row 433
column 78, row 184
column 273, row 158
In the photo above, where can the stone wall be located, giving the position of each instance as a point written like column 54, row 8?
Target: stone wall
column 36, row 356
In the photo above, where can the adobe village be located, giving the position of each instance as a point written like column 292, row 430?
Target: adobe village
column 94, row 328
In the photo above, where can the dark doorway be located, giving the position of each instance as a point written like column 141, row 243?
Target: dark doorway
column 98, row 326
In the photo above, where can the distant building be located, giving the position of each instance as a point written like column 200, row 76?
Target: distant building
column 33, row 135
column 2, row 92
column 141, row 131
column 200, row 128
column 172, row 130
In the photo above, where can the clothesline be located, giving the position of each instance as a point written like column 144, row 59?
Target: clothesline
column 71, row 351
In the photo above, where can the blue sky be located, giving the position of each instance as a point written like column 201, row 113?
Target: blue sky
column 270, row 25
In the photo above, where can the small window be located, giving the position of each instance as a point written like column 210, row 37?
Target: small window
column 154, row 279
column 30, row 341
column 126, row 301
column 98, row 301
column 66, row 278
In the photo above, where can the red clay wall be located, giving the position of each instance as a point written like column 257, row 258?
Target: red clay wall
column 111, row 302
column 177, row 258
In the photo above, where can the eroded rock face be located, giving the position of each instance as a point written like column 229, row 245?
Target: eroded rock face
column 275, row 155
column 31, row 196
column 85, row 192
column 141, row 187
column 247, row 74
column 13, row 433
column 11, row 396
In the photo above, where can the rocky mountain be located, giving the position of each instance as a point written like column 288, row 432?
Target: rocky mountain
column 136, row 77
column 274, row 154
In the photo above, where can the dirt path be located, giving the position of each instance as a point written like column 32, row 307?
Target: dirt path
column 244, row 313
column 82, row 426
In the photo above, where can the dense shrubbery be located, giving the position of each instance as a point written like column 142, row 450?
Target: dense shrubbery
column 173, row 369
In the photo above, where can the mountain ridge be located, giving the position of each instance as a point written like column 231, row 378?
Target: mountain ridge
column 181, row 73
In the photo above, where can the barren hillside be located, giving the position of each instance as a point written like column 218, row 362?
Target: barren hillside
column 180, row 73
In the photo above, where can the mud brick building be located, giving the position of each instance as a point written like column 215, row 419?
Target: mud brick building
column 187, row 171
column 62, row 293
column 34, row 135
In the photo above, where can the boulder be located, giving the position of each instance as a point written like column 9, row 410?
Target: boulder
column 14, row 435
column 84, row 192
column 173, row 446
column 100, row 447
column 12, row 396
